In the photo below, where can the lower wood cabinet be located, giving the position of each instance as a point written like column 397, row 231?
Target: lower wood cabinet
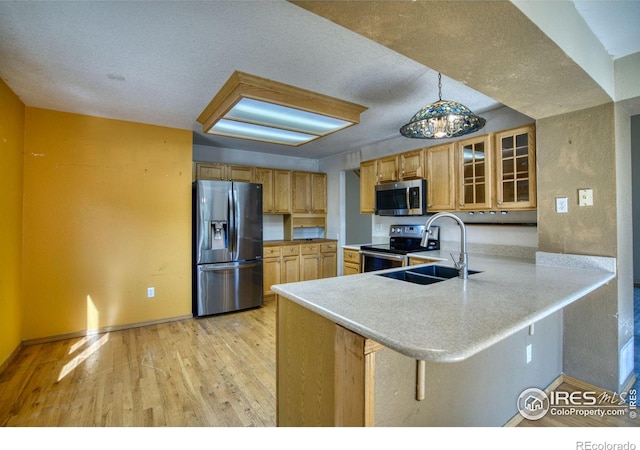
column 310, row 261
column 271, row 266
column 291, row 262
column 350, row 261
column 290, row 266
column 328, row 260
column 415, row 260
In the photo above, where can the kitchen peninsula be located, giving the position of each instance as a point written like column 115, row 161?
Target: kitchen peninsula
column 370, row 350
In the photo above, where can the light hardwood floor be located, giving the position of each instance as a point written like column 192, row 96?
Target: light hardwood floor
column 215, row 371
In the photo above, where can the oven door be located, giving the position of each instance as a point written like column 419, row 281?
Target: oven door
column 371, row 261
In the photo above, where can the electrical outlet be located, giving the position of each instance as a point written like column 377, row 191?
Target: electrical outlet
column 529, row 348
column 585, row 197
column 151, row 292
column 562, row 205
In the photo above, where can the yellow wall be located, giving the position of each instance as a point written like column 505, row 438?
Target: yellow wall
column 107, row 213
column 12, row 113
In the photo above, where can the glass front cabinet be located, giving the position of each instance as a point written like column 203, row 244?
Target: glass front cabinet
column 474, row 179
column 516, row 168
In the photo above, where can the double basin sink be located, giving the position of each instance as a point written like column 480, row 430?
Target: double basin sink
column 424, row 274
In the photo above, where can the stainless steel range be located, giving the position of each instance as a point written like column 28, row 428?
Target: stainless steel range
column 403, row 240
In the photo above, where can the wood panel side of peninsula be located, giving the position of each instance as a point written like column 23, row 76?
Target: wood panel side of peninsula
column 325, row 373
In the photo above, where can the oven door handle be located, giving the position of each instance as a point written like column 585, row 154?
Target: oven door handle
column 390, row 256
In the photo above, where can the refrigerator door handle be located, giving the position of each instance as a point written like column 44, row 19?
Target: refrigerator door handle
column 231, row 217
column 236, row 223
column 226, row 266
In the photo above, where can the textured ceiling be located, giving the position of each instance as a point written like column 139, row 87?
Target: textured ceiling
column 516, row 63
column 162, row 62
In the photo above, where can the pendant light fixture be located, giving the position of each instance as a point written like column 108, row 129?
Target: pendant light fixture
column 442, row 119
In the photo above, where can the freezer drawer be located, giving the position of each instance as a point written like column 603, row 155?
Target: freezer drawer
column 226, row 287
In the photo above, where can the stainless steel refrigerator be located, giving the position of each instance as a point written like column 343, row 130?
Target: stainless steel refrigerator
column 227, row 246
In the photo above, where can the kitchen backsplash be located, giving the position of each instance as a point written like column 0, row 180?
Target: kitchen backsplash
column 308, row 233
column 273, row 229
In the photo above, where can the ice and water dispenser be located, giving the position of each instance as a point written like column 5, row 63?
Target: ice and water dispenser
column 218, row 234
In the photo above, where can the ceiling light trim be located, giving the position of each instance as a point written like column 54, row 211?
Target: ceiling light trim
column 245, row 86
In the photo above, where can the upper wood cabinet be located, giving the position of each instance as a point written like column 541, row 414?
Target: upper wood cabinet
column 474, row 185
column 265, row 177
column 489, row 172
column 282, row 191
column 367, row 187
column 223, row 172
column 516, row 168
column 387, row 169
column 309, row 193
column 318, row 192
column 405, row 166
column 276, row 190
column 441, row 187
column 412, row 165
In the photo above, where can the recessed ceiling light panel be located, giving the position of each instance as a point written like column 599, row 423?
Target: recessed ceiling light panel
column 255, row 132
column 249, row 107
column 269, row 114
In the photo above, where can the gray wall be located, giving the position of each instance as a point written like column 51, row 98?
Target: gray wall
column 635, row 156
column 479, row 391
column 357, row 226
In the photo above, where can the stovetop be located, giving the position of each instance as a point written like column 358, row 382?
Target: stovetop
column 406, row 239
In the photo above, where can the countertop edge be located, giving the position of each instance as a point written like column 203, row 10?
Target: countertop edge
column 432, row 355
column 452, row 355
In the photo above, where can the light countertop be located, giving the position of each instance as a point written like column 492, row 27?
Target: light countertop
column 275, row 242
column 355, row 247
column 453, row 319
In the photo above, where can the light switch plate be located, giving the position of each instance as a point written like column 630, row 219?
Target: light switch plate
column 585, row 197
column 562, row 205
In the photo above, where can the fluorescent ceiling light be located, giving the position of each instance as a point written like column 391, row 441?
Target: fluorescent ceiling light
column 243, row 130
column 249, row 107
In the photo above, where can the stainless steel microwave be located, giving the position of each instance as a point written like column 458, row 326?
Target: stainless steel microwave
column 404, row 198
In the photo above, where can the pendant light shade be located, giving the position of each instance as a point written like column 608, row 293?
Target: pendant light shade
column 442, row 119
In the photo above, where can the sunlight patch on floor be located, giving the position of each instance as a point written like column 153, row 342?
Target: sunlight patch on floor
column 86, row 353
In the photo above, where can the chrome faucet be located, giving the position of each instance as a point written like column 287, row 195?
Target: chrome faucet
column 463, row 262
